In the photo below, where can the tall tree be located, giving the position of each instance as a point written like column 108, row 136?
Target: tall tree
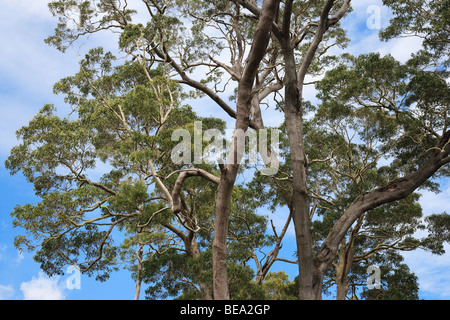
column 123, row 117
column 270, row 47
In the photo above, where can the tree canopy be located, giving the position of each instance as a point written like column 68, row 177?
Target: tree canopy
column 349, row 167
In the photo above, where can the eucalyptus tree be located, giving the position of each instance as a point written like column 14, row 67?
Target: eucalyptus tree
column 244, row 31
column 379, row 133
column 367, row 103
column 123, row 116
column 252, row 52
column 111, row 194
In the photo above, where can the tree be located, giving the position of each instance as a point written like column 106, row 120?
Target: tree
column 360, row 140
column 372, row 100
column 124, row 117
column 78, row 214
column 163, row 43
column 271, row 47
column 278, row 287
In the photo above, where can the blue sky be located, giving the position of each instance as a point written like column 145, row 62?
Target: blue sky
column 28, row 70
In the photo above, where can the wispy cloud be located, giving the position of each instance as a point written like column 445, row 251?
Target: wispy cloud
column 20, row 257
column 6, row 292
column 13, row 118
column 3, row 248
column 28, row 67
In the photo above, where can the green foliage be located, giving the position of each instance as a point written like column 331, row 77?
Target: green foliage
column 396, row 284
column 427, row 19
column 376, row 119
column 278, row 287
column 122, row 116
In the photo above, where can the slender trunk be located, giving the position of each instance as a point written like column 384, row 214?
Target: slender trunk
column 309, row 279
column 341, row 289
column 228, row 176
column 342, row 272
column 229, row 171
column 346, row 258
column 300, row 207
column 139, row 255
column 193, row 251
column 310, row 275
column 222, row 213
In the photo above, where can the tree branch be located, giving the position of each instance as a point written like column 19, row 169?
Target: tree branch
column 176, row 205
column 395, row 190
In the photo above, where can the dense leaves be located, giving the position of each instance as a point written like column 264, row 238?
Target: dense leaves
column 111, row 196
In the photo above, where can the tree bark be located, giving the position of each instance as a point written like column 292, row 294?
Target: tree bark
column 393, row 191
column 139, row 255
column 230, row 169
column 343, row 268
column 310, row 275
column 222, row 211
column 300, row 199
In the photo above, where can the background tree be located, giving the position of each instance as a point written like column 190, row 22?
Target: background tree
column 124, row 118
column 350, row 93
column 366, row 132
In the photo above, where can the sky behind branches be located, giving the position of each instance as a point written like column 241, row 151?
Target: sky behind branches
column 28, row 70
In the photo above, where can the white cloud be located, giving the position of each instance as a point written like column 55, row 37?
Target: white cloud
column 5, row 256
column 402, row 48
column 6, row 292
column 37, row 9
column 25, row 57
column 432, row 272
column 435, row 202
column 14, row 116
column 365, row 39
column 42, row 288
column 3, row 252
column 28, row 67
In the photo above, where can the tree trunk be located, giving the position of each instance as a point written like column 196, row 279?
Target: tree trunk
column 310, row 275
column 222, row 211
column 395, row 190
column 300, row 199
column 345, row 260
column 139, row 255
column 229, row 171
column 341, row 289
column 310, row 279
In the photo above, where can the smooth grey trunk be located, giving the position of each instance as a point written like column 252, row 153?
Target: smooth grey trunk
column 139, row 255
column 229, row 170
column 299, row 198
column 222, row 210
column 310, row 275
